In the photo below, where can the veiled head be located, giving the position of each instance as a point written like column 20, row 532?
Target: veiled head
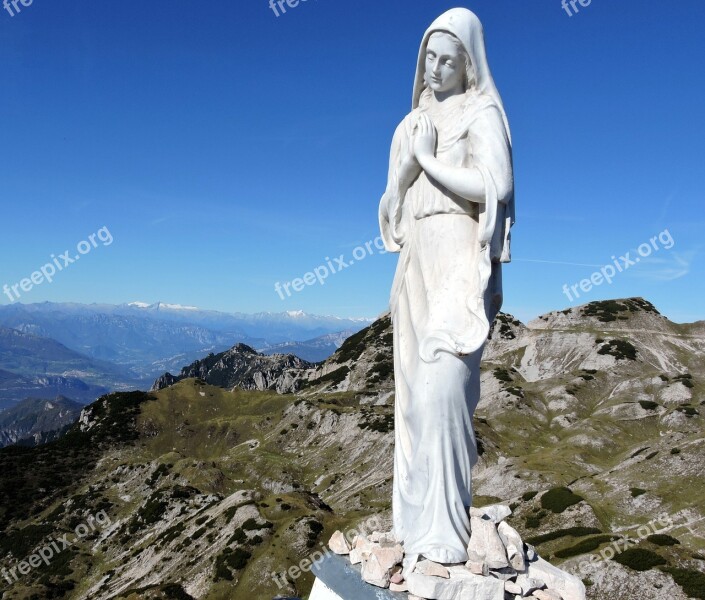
column 448, row 68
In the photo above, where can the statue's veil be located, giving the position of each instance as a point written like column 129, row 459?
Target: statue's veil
column 465, row 26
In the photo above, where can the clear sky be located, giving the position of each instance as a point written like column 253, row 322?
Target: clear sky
column 226, row 149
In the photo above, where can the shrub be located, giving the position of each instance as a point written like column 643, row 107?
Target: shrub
column 620, row 349
column 585, row 546
column 661, row 539
column 503, row 375
column 533, row 522
column 555, row 535
column 636, row 492
column 251, row 525
column 692, row 582
column 559, row 499
column 648, row 405
column 238, row 536
column 639, row 559
column 529, row 496
column 173, row 591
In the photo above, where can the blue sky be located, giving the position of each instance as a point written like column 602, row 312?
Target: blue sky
column 227, row 149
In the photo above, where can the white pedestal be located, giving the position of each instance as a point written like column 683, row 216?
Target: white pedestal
column 321, row 591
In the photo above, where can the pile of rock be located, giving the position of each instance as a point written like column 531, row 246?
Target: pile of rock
column 500, row 566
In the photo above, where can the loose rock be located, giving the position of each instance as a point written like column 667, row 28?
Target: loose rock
column 339, row 544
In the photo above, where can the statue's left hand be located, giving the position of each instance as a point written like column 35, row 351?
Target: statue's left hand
column 425, row 138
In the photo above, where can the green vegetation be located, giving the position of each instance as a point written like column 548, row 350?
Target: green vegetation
column 503, row 375
column 36, row 478
column 230, row 560
column 639, row 559
column 648, row 405
column 356, row 344
column 620, row 349
column 505, row 322
column 559, row 499
column 611, row 310
column 636, row 492
column 526, row 496
column 382, row 369
column 560, row 533
column 534, row 521
column 661, row 539
column 381, row 422
column 585, row 546
column 174, row 591
column 686, row 379
column 688, row 411
column 692, row 582
column 333, row 378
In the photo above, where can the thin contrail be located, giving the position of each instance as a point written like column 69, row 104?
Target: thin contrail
column 554, row 262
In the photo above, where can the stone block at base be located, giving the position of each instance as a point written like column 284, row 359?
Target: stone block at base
column 337, row 579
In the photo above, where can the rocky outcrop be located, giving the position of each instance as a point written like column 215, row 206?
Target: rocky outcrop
column 244, row 368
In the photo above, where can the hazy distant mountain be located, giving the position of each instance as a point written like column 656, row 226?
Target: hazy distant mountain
column 315, row 350
column 33, row 366
column 149, row 339
column 35, row 421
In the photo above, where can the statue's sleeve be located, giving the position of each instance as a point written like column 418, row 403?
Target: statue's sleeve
column 390, row 205
column 491, row 149
column 492, row 156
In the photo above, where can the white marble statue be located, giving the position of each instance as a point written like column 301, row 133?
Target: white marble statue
column 448, row 209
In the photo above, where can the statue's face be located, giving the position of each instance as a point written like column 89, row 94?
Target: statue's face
column 445, row 64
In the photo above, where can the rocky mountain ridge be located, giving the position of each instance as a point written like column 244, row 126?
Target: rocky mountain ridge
column 244, row 368
column 36, row 421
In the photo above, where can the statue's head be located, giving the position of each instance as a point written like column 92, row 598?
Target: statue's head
column 458, row 39
column 448, row 67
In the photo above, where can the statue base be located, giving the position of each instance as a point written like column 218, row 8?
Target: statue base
column 337, row 579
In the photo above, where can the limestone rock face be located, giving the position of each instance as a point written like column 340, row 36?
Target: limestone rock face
column 244, row 368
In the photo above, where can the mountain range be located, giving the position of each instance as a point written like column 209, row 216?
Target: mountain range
column 146, row 339
column 590, row 428
column 83, row 351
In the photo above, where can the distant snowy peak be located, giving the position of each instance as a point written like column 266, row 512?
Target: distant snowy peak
column 298, row 315
column 162, row 306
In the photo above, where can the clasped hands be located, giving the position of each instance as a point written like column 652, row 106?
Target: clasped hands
column 422, row 147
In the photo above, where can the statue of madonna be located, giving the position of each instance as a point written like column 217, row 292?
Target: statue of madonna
column 447, row 209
